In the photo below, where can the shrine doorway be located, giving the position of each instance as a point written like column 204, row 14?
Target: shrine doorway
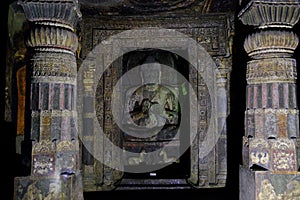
column 173, row 161
column 203, row 163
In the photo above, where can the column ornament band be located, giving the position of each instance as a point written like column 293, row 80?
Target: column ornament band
column 52, row 37
column 270, row 70
column 53, row 64
column 271, row 44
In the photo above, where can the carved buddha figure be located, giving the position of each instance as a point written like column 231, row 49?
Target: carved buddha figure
column 152, row 104
column 153, row 114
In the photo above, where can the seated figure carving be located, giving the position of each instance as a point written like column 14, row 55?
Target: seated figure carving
column 152, row 104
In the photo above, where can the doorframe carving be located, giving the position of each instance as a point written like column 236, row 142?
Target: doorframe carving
column 213, row 32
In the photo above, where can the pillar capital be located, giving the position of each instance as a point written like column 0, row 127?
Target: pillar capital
column 61, row 13
column 271, row 13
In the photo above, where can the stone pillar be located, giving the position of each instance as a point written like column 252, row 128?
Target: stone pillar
column 52, row 43
column 270, row 166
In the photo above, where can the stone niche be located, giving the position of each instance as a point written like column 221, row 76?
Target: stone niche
column 118, row 56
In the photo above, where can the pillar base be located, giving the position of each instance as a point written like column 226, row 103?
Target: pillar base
column 49, row 188
column 266, row 185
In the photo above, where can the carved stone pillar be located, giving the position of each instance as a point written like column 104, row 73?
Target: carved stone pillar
column 270, row 165
column 52, row 43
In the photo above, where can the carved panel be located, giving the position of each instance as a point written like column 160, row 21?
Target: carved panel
column 284, row 155
column 271, row 70
column 259, row 153
column 43, row 159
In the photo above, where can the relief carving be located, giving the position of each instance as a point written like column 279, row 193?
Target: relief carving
column 284, row 155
